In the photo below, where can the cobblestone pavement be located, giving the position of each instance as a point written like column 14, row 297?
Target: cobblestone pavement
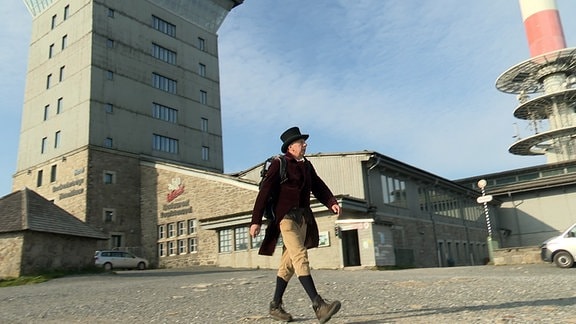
column 484, row 294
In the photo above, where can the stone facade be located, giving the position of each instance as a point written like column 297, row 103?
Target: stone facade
column 173, row 197
column 62, row 180
column 90, row 182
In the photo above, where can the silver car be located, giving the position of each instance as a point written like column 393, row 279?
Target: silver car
column 119, row 260
column 560, row 249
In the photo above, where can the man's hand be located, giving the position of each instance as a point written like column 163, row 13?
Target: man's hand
column 336, row 209
column 254, row 230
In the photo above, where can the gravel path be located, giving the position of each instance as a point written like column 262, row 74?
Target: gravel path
column 483, row 294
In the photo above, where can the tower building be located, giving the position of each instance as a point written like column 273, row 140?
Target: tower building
column 544, row 85
column 110, row 84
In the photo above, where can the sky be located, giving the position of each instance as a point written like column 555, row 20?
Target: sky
column 412, row 80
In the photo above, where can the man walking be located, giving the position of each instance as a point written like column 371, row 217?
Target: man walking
column 294, row 221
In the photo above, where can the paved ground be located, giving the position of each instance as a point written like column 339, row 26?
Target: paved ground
column 484, row 294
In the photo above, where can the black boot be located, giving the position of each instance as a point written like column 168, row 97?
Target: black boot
column 324, row 311
column 278, row 313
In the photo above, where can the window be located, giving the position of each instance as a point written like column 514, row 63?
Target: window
column 163, row 54
column 171, row 248
column 53, row 173
column 224, row 240
column 257, row 241
column 108, row 142
column 109, row 75
column 108, row 107
column 161, row 230
column 60, row 105
column 163, row 83
column 201, row 44
column 203, row 97
column 204, row 125
column 241, row 238
column 46, row 111
column 39, row 178
column 181, row 228
column 202, row 69
column 61, row 76
column 64, row 41
column 109, row 215
column 161, row 249
column 109, row 177
column 51, row 51
column 191, row 226
column 48, row 81
column 165, row 144
column 171, row 231
column 164, row 113
column 192, row 245
column 53, row 22
column 116, row 240
column 163, row 26
column 57, row 139
column 181, row 246
column 44, row 145
column 110, row 43
column 66, row 12
column 205, row 153
column 394, row 191
column 110, row 12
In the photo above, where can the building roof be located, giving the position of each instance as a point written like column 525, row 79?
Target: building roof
column 27, row 210
column 532, row 178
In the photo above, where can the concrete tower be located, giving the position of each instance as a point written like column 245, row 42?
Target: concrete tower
column 113, row 83
column 544, row 85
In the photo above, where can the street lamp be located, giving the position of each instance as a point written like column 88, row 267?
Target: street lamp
column 484, row 199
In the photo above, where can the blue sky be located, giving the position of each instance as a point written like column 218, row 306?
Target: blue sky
column 413, row 80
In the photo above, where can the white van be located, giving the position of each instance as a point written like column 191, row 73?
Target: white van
column 119, row 260
column 561, row 249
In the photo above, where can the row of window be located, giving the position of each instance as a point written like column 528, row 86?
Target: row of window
column 169, row 57
column 160, row 143
column 60, row 77
column 59, row 108
column 169, row 29
column 180, row 228
column 239, row 239
column 431, row 200
column 63, row 45
column 44, row 143
column 178, row 247
column 40, row 175
column 54, row 20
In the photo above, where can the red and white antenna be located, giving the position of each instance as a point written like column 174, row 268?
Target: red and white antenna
column 543, row 27
column 545, row 85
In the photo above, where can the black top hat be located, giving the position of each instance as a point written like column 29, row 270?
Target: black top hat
column 291, row 135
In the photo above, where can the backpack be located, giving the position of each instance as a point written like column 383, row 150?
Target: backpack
column 271, row 201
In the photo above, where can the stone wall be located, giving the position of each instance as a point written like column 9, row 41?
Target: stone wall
column 517, row 255
column 10, row 254
column 28, row 253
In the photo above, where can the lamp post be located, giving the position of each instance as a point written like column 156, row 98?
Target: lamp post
column 484, row 199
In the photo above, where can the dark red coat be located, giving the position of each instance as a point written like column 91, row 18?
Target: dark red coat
column 295, row 192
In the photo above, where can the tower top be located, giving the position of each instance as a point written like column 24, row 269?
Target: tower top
column 542, row 25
